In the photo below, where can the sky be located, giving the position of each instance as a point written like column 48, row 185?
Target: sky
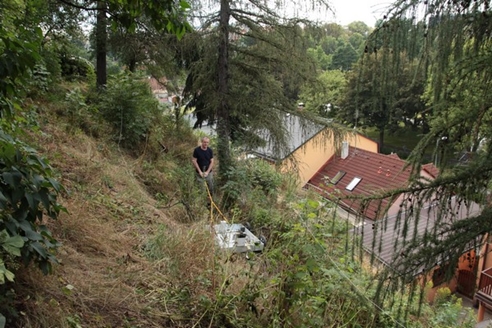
column 348, row 11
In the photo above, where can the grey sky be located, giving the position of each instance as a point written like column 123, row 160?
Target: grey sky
column 348, row 11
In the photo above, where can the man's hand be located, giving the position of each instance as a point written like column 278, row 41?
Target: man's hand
column 205, row 174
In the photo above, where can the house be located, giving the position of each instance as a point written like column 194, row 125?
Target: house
column 385, row 225
column 483, row 294
column 387, row 240
column 308, row 146
column 159, row 90
column 357, row 173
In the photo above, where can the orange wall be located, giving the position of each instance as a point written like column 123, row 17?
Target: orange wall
column 310, row 157
column 463, row 264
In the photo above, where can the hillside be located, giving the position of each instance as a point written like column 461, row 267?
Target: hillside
column 104, row 279
column 136, row 251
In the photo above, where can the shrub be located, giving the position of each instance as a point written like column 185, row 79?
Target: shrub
column 130, row 108
column 248, row 175
column 27, row 193
column 78, row 112
column 73, row 67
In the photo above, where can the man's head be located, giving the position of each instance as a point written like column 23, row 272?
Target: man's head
column 205, row 142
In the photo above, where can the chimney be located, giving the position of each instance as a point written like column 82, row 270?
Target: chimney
column 345, row 149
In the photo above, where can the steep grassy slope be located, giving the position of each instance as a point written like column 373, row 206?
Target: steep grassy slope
column 105, row 278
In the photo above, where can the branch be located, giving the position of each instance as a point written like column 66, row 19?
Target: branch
column 74, row 5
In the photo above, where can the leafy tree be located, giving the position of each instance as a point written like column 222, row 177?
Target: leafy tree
column 19, row 53
column 345, row 55
column 334, row 30
column 28, row 192
column 359, row 27
column 357, row 41
column 382, row 95
column 324, row 97
column 130, row 108
column 324, row 60
column 329, row 44
column 164, row 15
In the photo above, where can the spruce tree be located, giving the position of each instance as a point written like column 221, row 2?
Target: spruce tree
column 454, row 48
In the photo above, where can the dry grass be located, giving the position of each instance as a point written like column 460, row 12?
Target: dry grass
column 105, row 279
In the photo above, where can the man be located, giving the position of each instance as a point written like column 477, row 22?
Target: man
column 203, row 161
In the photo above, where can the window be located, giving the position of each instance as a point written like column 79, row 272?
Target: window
column 439, row 275
column 337, row 177
column 355, row 181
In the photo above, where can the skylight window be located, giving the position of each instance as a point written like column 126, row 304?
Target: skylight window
column 337, row 177
column 355, row 181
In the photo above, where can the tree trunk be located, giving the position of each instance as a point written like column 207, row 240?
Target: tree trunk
column 132, row 65
column 381, row 139
column 223, row 119
column 101, row 45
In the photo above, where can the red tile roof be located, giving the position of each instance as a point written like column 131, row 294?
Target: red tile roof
column 378, row 172
column 156, row 85
column 431, row 169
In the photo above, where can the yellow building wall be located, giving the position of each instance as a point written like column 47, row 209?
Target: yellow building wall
column 310, row 157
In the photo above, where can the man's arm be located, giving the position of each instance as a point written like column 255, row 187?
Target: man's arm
column 195, row 164
column 210, row 166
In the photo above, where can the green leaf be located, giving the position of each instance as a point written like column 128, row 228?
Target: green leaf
column 4, row 273
column 45, row 267
column 44, row 196
column 184, row 5
column 30, row 201
column 39, row 249
column 24, row 225
column 12, row 250
column 312, row 203
column 4, row 235
column 12, row 178
column 9, row 275
column 33, row 235
column 55, row 184
column 300, row 274
column 3, row 200
column 15, row 241
column 67, row 290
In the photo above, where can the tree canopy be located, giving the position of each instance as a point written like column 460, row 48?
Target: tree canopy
column 248, row 66
column 384, row 95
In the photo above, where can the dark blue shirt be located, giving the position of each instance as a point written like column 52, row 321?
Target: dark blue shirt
column 203, row 157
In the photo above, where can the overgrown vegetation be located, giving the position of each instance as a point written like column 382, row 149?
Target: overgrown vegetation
column 137, row 251
column 134, row 247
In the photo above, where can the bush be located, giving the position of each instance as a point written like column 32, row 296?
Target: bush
column 73, row 67
column 248, row 175
column 52, row 63
column 130, row 108
column 27, row 194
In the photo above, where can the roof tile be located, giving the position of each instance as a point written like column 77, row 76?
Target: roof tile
column 379, row 173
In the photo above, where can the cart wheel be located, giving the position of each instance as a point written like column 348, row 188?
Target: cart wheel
column 247, row 225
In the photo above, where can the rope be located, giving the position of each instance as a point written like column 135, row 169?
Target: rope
column 213, row 204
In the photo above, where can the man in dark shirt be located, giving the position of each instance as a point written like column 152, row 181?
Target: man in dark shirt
column 203, row 161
